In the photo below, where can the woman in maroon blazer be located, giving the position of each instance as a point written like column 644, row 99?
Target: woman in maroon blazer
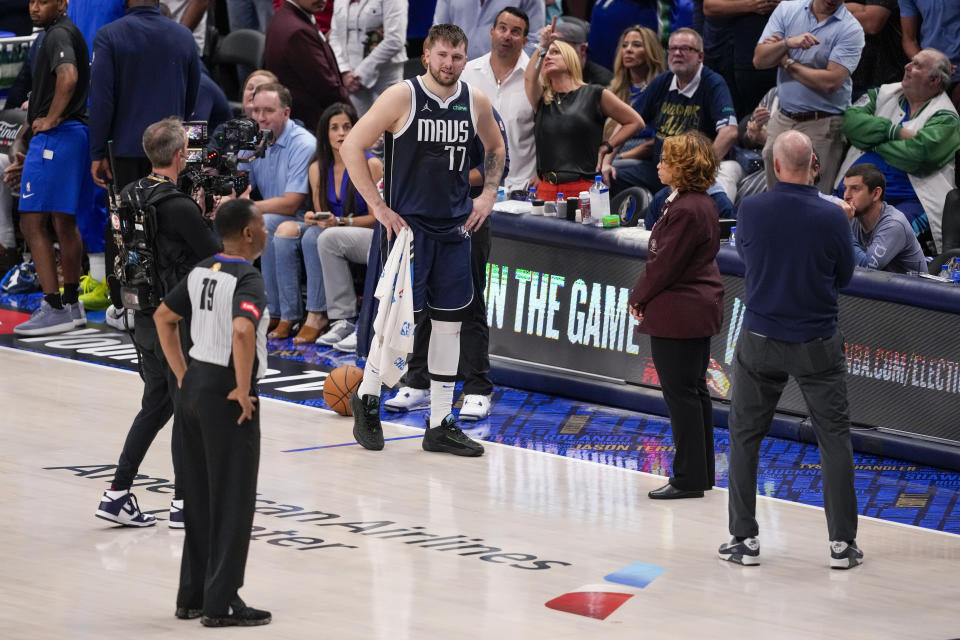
column 679, row 303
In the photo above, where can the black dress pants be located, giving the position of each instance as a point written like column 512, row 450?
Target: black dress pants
column 474, row 367
column 682, row 368
column 156, row 407
column 220, row 464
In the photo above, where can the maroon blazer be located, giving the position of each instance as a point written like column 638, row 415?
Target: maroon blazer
column 304, row 63
column 680, row 293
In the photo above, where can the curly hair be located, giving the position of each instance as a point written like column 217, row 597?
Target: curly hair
column 692, row 161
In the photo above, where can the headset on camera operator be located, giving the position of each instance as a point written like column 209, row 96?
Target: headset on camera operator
column 181, row 238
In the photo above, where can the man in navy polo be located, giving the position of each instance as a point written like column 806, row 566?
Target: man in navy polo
column 688, row 96
column 797, row 255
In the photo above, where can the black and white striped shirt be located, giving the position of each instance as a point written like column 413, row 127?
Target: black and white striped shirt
column 215, row 292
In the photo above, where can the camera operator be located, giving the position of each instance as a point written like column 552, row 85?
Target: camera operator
column 183, row 238
column 281, row 178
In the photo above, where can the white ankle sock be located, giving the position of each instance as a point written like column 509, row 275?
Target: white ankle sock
column 370, row 385
column 441, row 401
column 113, row 495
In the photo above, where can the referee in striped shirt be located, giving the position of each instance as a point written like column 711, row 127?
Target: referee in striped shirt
column 225, row 299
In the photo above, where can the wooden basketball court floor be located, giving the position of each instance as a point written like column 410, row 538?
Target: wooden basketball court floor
column 330, row 559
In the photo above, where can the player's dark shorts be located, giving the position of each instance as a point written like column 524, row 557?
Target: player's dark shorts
column 442, row 280
column 56, row 171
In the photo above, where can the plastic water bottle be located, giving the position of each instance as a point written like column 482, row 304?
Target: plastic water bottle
column 955, row 271
column 501, row 194
column 531, row 194
column 945, row 272
column 585, row 208
column 733, row 236
column 561, row 205
column 599, row 200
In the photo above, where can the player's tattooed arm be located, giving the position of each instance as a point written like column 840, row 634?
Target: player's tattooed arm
column 492, row 170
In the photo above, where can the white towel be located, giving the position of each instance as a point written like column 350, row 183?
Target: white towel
column 393, row 326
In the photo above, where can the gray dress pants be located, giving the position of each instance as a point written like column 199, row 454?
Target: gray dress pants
column 762, row 366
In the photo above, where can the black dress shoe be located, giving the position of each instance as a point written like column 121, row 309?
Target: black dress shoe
column 670, row 492
column 185, row 613
column 243, row 617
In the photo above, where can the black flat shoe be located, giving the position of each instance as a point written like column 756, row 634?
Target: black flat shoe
column 670, row 492
column 186, row 613
column 243, row 617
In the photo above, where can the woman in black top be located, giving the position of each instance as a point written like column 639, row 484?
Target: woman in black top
column 568, row 125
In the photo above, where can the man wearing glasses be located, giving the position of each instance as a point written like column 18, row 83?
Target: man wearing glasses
column 688, row 96
column 817, row 45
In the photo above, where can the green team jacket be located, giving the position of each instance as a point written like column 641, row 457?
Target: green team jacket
column 934, row 145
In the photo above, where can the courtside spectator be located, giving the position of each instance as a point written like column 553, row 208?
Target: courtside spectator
column 569, row 120
column 303, row 61
column 368, row 40
column 640, row 59
column 281, row 178
column 254, row 80
column 911, row 131
column 882, row 237
column 335, row 203
column 347, row 236
column 817, row 45
column 933, row 24
column 688, row 96
column 499, row 74
column 477, row 18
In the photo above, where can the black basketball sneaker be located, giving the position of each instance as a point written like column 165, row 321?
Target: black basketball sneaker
column 448, row 438
column 366, row 421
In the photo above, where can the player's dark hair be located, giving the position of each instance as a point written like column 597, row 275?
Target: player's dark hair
column 449, row 33
column 517, row 12
column 234, row 216
column 871, row 176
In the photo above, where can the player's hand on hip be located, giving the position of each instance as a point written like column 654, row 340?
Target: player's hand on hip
column 247, row 403
column 389, row 218
column 482, row 206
